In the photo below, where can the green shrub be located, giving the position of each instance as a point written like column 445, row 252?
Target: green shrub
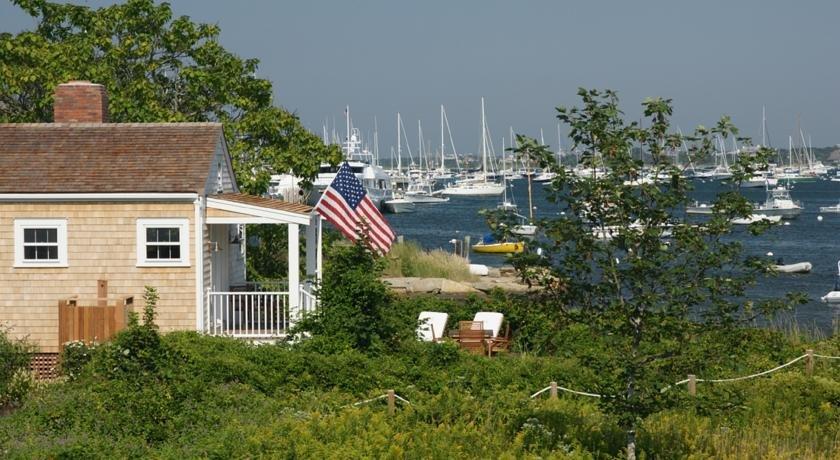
column 15, row 381
column 356, row 308
column 74, row 357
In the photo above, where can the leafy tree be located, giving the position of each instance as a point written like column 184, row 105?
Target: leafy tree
column 157, row 68
column 607, row 265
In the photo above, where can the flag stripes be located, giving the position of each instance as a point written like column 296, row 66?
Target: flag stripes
column 346, row 205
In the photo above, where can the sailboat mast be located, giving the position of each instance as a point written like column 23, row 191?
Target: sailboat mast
column 375, row 142
column 399, row 144
column 483, row 141
column 420, row 143
column 442, row 145
column 347, row 119
column 763, row 128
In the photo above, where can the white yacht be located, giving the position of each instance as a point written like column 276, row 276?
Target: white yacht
column 421, row 192
column 376, row 181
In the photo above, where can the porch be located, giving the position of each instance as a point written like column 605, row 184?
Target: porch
column 232, row 306
column 258, row 312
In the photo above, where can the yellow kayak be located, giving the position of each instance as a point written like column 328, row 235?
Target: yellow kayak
column 500, row 248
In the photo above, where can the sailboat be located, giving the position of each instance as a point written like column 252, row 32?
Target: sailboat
column 482, row 187
column 489, row 246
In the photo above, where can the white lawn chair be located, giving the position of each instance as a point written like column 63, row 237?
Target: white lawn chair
column 492, row 322
column 431, row 325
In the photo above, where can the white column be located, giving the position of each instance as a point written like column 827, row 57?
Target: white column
column 294, row 273
column 320, row 263
column 198, row 234
column 312, row 244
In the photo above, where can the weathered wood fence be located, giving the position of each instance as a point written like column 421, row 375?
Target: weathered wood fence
column 92, row 323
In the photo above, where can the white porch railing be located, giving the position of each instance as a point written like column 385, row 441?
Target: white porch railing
column 247, row 314
column 255, row 315
column 308, row 301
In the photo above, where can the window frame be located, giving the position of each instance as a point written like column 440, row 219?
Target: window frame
column 183, row 225
column 60, row 225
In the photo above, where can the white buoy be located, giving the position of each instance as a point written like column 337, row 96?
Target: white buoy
column 819, row 218
column 770, row 254
column 786, row 224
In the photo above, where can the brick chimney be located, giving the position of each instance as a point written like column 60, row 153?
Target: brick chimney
column 80, row 102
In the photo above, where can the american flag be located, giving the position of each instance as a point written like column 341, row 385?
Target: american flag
column 346, row 205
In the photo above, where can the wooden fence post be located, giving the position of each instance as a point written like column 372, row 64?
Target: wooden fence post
column 466, row 248
column 809, row 362
column 692, row 384
column 102, row 293
column 552, row 393
column 391, row 402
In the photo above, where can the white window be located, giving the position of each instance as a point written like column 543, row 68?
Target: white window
column 163, row 243
column 40, row 243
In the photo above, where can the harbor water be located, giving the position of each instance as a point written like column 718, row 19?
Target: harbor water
column 805, row 239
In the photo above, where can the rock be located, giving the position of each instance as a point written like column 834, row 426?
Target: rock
column 494, row 272
column 479, row 270
column 412, row 285
column 507, row 270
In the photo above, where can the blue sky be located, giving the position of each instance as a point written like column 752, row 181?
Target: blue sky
column 711, row 57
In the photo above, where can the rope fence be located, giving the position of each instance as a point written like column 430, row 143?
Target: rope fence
column 554, row 388
column 390, row 395
column 692, row 380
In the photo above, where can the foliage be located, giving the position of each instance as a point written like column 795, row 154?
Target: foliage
column 605, row 263
column 220, row 397
column 355, row 306
column 74, row 357
column 409, row 259
column 157, row 68
column 14, row 367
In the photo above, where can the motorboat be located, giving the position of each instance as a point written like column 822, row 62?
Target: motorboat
column 545, row 176
column 832, row 208
column 608, row 232
column 833, row 297
column 753, row 218
column 398, row 205
column 700, row 208
column 761, row 179
column 422, row 193
column 779, row 203
column 799, row 267
column 524, row 230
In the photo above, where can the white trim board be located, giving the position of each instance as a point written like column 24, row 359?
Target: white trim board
column 275, row 215
column 17, row 197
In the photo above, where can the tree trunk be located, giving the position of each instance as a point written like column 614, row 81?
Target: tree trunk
column 631, row 444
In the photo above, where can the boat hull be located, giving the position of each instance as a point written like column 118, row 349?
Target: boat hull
column 425, row 199
column 499, row 248
column 801, row 267
column 478, row 190
column 398, row 206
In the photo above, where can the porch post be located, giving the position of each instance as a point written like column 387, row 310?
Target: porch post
column 294, row 273
column 313, row 243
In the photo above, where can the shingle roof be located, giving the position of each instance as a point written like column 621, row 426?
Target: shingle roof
column 263, row 202
column 106, row 157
